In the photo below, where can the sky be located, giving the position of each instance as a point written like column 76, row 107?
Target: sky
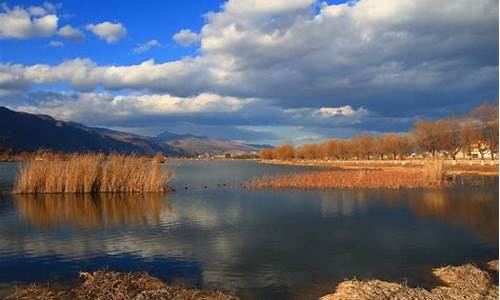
column 260, row 71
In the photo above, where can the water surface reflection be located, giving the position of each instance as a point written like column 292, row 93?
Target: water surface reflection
column 91, row 211
column 257, row 244
column 475, row 209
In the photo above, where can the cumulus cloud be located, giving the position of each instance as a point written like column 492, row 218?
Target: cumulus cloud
column 345, row 110
column 20, row 23
column 84, row 74
column 330, row 64
column 342, row 53
column 144, row 47
column 78, row 106
column 186, row 37
column 204, row 111
column 110, row 32
column 71, row 33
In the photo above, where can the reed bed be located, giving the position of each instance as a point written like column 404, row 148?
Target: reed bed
column 92, row 173
column 390, row 178
column 459, row 282
column 115, row 285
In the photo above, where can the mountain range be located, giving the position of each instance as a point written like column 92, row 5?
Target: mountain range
column 25, row 132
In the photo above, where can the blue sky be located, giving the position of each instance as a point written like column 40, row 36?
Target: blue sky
column 158, row 20
column 264, row 71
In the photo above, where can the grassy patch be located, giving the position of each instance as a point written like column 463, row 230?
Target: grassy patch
column 92, row 173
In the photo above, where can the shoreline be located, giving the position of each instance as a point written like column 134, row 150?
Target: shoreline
column 467, row 281
column 473, row 167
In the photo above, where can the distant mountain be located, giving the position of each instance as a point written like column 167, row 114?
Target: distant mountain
column 260, row 146
column 148, row 144
column 204, row 145
column 169, row 136
column 193, row 144
column 21, row 131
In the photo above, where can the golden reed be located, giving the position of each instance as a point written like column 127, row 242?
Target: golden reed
column 92, row 173
column 391, row 178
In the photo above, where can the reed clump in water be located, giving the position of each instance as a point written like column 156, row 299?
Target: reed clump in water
column 390, row 178
column 92, row 173
column 114, row 285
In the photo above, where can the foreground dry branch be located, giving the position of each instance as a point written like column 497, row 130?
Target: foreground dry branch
column 92, row 173
column 462, row 282
column 114, row 285
column 392, row 178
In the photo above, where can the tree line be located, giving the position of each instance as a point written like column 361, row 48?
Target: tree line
column 477, row 132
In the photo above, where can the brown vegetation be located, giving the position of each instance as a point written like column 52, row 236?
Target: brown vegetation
column 445, row 138
column 92, row 173
column 114, row 285
column 393, row 178
column 462, row 282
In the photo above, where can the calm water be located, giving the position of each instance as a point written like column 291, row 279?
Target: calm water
column 286, row 244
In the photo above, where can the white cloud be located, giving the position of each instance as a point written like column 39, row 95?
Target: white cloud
column 287, row 51
column 20, row 23
column 55, row 44
column 71, row 33
column 314, row 61
column 37, row 11
column 186, row 37
column 141, row 48
column 110, row 32
column 327, row 116
column 84, row 74
column 107, row 107
column 345, row 110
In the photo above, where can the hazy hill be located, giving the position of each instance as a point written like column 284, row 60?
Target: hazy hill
column 202, row 145
column 148, row 144
column 21, row 131
column 169, row 136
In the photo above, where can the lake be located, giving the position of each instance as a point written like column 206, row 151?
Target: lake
column 212, row 233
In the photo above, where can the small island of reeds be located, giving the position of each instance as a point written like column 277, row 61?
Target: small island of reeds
column 92, row 173
column 430, row 175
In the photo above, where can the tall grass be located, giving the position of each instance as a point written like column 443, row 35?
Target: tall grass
column 433, row 171
column 390, row 178
column 92, row 173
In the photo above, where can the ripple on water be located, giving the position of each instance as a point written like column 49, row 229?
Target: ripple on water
column 262, row 244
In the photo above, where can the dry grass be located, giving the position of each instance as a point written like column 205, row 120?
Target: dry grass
column 391, row 178
column 92, row 173
column 120, row 286
column 462, row 282
column 433, row 172
column 462, row 167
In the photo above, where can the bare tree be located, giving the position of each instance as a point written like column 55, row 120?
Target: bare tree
column 284, row 152
column 266, row 154
column 448, row 133
column 487, row 115
column 364, row 144
column 469, row 135
column 426, row 137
